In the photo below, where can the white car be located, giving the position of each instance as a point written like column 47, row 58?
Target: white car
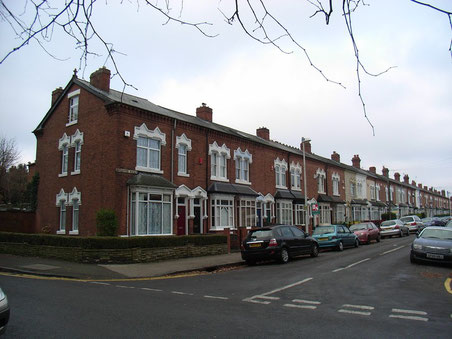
column 389, row 228
column 413, row 222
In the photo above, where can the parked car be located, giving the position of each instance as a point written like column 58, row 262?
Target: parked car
column 4, row 312
column 366, row 232
column 389, row 228
column 335, row 236
column 449, row 224
column 280, row 242
column 413, row 222
column 433, row 244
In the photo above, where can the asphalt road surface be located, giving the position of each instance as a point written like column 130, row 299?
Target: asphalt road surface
column 369, row 292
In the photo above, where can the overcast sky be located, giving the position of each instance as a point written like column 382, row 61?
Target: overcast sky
column 249, row 85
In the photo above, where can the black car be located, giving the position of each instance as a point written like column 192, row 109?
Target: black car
column 280, row 242
column 433, row 244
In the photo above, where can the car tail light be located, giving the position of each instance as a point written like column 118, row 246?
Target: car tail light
column 396, row 227
column 333, row 237
column 272, row 243
column 414, row 223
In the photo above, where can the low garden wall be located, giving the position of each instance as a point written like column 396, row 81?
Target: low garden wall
column 109, row 250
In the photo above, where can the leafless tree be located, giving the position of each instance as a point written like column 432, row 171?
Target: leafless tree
column 9, row 155
column 40, row 19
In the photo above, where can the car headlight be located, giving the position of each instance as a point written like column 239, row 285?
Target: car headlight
column 2, row 295
column 417, row 247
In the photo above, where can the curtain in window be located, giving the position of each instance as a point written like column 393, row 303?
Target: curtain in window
column 155, row 218
column 142, row 144
column 75, row 211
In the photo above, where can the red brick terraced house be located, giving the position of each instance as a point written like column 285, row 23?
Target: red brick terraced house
column 168, row 173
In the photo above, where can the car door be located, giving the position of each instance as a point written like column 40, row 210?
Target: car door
column 348, row 236
column 303, row 244
column 289, row 239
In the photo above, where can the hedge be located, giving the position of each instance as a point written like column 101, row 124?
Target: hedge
column 112, row 242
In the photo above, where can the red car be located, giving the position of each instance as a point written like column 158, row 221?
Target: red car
column 366, row 232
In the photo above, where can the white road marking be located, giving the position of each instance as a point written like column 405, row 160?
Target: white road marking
column 362, row 307
column 252, row 300
column 409, row 317
column 151, row 289
column 99, row 283
column 214, row 297
column 288, row 286
column 309, row 307
column 354, row 312
column 393, row 250
column 181, row 293
column 301, row 301
column 351, row 265
column 398, row 310
column 267, row 297
column 122, row 286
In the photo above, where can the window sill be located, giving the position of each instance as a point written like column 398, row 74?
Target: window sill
column 243, row 182
column 296, row 189
column 75, row 172
column 61, row 175
column 71, row 123
column 61, row 232
column 282, row 187
column 73, row 232
column 148, row 170
column 219, row 179
column 180, row 174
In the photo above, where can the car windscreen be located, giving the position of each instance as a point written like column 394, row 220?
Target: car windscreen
column 437, row 234
column 261, row 234
column 388, row 223
column 358, row 227
column 323, row 230
column 407, row 219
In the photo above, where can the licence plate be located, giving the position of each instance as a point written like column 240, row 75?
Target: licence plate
column 255, row 245
column 435, row 256
column 323, row 239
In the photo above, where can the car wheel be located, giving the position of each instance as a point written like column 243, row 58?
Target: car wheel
column 401, row 234
column 412, row 260
column 284, row 258
column 368, row 241
column 378, row 238
column 314, row 251
column 250, row 262
column 357, row 242
column 340, row 246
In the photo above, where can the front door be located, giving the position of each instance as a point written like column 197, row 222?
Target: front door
column 197, row 220
column 181, row 221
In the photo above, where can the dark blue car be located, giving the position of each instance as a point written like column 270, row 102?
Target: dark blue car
column 335, row 236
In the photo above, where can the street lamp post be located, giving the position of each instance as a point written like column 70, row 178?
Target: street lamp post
column 303, row 141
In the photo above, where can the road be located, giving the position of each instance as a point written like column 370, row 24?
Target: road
column 369, row 292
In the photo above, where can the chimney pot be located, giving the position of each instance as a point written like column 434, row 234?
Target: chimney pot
column 373, row 169
column 101, row 79
column 356, row 161
column 385, row 172
column 307, row 147
column 406, row 179
column 397, row 176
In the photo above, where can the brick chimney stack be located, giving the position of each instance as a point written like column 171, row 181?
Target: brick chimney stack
column 356, row 161
column 406, row 179
column 397, row 176
column 56, row 94
column 419, row 185
column 101, row 79
column 263, row 132
column 204, row 112
column 385, row 172
column 307, row 147
column 373, row 169
column 336, row 157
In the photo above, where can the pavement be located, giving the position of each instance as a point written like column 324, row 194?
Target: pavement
column 66, row 269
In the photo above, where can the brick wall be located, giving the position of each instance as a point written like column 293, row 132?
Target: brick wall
column 17, row 221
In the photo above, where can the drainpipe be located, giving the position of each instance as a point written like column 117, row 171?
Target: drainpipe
column 172, row 150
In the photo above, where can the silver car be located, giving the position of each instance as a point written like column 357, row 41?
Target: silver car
column 396, row 227
column 413, row 222
column 4, row 312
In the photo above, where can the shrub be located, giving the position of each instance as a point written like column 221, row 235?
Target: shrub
column 106, row 223
column 388, row 216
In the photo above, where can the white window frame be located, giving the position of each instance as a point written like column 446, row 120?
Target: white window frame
column 243, row 159
column 166, row 199
column 325, row 213
column 300, row 214
column 219, row 203
column 74, row 101
column 61, row 202
column 339, row 212
column 63, row 145
column 77, row 142
column 377, row 192
column 320, row 175
column 75, row 200
column 144, row 132
column 280, row 167
column 284, row 212
column 336, row 180
column 295, row 176
column 183, row 144
column 219, row 162
column 247, row 212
